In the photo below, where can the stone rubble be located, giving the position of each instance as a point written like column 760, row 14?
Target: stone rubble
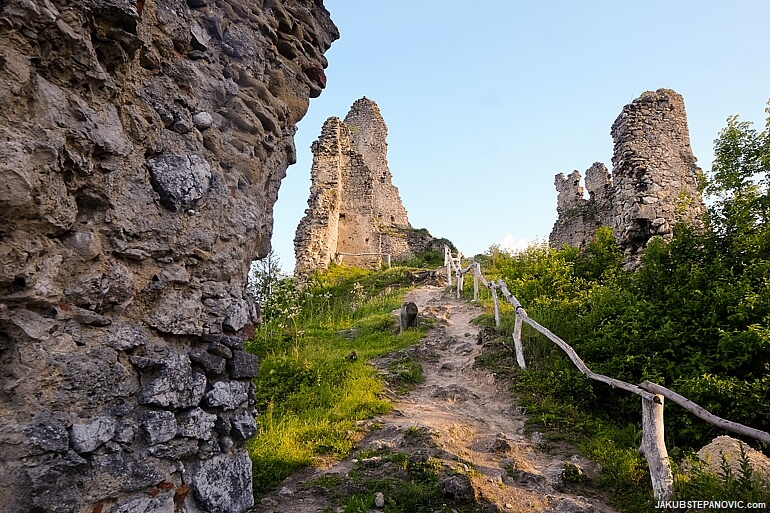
column 654, row 182
column 142, row 145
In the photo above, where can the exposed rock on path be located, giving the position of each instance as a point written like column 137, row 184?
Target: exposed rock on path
column 469, row 422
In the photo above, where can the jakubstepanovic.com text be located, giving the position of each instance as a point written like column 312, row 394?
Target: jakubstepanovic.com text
column 710, row 505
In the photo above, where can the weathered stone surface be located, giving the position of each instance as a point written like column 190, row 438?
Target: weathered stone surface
column 211, row 363
column 47, row 434
column 227, row 395
column 171, row 382
column 176, row 449
column 178, row 313
column 179, row 179
column 196, row 423
column 126, row 337
column 120, row 472
column 163, row 502
column 235, row 343
column 142, row 145
column 220, row 350
column 458, row 487
column 125, row 431
column 354, row 207
column 202, row 120
column 243, row 425
column 158, row 426
column 243, row 365
column 654, row 181
column 61, row 470
column 85, row 437
column 223, row 483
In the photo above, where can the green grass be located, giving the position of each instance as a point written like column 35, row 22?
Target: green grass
column 409, row 481
column 405, row 374
column 315, row 382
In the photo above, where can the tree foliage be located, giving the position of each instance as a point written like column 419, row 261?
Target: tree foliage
column 739, row 182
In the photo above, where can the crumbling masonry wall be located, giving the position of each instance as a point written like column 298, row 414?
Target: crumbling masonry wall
column 654, row 182
column 354, row 206
column 142, row 145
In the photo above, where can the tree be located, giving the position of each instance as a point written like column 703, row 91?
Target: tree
column 740, row 182
column 263, row 276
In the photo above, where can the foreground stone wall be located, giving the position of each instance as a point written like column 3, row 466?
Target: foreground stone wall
column 654, row 182
column 142, row 145
column 354, row 206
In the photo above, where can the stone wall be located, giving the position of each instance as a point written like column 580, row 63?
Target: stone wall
column 142, row 145
column 354, row 206
column 653, row 186
column 579, row 217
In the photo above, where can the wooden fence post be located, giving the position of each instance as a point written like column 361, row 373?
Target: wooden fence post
column 493, row 290
column 476, row 273
column 517, row 342
column 654, row 449
column 448, row 262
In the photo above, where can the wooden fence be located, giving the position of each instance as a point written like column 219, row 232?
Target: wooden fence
column 653, row 447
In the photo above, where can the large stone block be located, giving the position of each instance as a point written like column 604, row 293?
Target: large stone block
column 86, row 437
column 227, row 395
column 158, row 426
column 179, row 180
column 171, row 382
column 223, row 483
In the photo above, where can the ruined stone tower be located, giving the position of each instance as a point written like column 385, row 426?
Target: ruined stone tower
column 654, row 181
column 354, row 207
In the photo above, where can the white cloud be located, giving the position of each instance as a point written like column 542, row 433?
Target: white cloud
column 513, row 244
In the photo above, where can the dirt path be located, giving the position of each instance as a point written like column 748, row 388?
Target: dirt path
column 469, row 417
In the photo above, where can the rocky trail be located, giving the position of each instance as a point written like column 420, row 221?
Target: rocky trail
column 461, row 415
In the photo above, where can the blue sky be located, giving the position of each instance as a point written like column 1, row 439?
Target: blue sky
column 486, row 101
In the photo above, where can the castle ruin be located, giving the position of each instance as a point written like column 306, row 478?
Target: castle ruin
column 354, row 210
column 654, row 183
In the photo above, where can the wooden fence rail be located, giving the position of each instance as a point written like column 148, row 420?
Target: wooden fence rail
column 653, row 447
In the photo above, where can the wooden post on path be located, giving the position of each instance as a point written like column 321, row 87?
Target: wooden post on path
column 654, row 449
column 493, row 290
column 517, row 342
column 448, row 262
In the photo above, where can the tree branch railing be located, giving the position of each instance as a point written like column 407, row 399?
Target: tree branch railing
column 653, row 447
